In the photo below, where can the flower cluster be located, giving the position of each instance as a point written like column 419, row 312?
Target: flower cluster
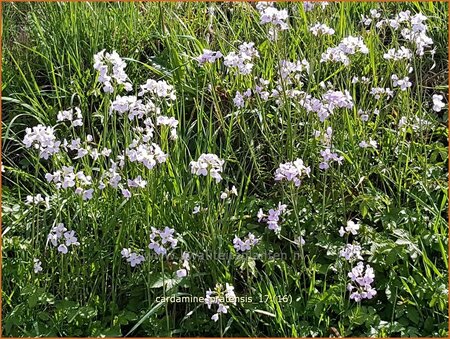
column 227, row 193
column 294, row 70
column 42, row 138
column 170, row 122
column 132, row 257
column 131, row 105
column 208, row 164
column 38, row 200
column 208, row 56
column 67, row 178
column 416, row 32
column 111, row 67
column 221, row 297
column 415, row 123
column 242, row 60
column 271, row 15
column 412, row 29
column 138, row 182
column 246, row 244
column 273, row 217
column 404, row 83
column 310, row 5
column 348, row 46
column 162, row 240
column 292, row 171
column 60, row 237
column 367, row 20
column 371, row 144
column 321, row 29
column 330, row 101
column 158, row 89
column 73, row 115
column 399, row 54
column 325, row 138
column 148, row 154
column 328, row 156
column 351, row 252
column 239, row 99
column 377, row 92
column 361, row 278
column 338, row 99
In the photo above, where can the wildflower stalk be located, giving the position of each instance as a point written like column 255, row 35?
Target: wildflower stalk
column 294, row 206
column 164, row 295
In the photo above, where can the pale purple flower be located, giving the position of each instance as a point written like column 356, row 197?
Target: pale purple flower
column 351, row 252
column 208, row 164
column 361, row 282
column 208, row 56
column 42, row 138
column 62, row 248
column 245, row 245
column 161, row 240
column 71, row 239
column 181, row 273
column 292, row 171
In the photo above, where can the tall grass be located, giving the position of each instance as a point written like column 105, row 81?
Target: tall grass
column 398, row 191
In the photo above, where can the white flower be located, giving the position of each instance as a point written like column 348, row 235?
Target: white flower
column 273, row 217
column 351, row 252
column 239, row 100
column 37, row 265
column 351, row 227
column 372, row 143
column 300, row 241
column 404, row 83
column 132, row 257
column 437, row 102
column 137, row 182
column 361, row 281
column 402, row 53
column 125, row 252
column 135, row 259
column 73, row 115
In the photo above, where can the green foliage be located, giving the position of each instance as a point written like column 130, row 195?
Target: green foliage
column 398, row 192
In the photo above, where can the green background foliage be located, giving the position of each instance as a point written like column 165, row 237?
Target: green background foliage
column 398, row 192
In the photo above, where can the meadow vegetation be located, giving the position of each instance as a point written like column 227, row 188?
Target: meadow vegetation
column 286, row 162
